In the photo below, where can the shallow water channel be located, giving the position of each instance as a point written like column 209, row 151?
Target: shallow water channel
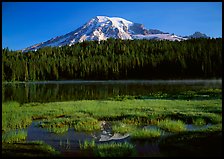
column 68, row 142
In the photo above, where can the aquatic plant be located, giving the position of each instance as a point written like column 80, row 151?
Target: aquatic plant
column 30, row 149
column 188, row 144
column 55, row 122
column 122, row 128
column 43, row 146
column 199, row 121
column 86, row 115
column 115, row 150
column 142, row 134
column 56, row 125
column 108, row 149
column 214, row 118
column 58, row 130
column 172, row 125
column 213, row 128
column 14, row 117
column 87, row 145
column 87, row 124
column 14, row 136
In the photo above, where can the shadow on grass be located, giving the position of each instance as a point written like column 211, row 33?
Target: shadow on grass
column 193, row 144
column 32, row 149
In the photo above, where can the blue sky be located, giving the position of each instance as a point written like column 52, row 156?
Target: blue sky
column 28, row 23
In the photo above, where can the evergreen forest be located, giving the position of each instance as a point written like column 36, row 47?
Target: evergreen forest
column 115, row 59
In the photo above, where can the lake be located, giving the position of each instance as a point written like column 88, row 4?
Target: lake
column 72, row 119
column 51, row 91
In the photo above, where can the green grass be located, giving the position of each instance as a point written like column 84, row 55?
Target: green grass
column 14, row 116
column 108, row 149
column 125, row 114
column 60, row 130
column 87, row 145
column 214, row 128
column 79, row 122
column 144, row 134
column 172, row 125
column 87, row 112
column 14, row 136
column 213, row 118
column 199, row 121
column 87, row 124
column 56, row 125
column 189, row 144
column 122, row 128
column 55, row 122
column 115, row 150
column 31, row 149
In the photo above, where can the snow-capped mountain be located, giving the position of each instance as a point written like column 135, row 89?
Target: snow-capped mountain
column 103, row 27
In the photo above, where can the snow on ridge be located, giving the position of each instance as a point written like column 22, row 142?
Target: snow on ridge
column 159, row 37
column 102, row 18
column 103, row 27
column 118, row 21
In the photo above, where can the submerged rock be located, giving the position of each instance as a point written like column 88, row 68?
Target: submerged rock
column 104, row 138
column 116, row 136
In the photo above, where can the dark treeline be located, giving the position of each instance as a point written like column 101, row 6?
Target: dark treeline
column 117, row 59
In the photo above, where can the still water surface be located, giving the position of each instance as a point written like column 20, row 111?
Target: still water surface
column 68, row 143
column 51, row 91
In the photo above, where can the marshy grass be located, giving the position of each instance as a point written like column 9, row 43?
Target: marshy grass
column 86, row 115
column 14, row 136
column 108, row 149
column 213, row 128
column 58, row 130
column 137, row 119
column 43, row 147
column 213, row 118
column 145, row 134
column 88, row 124
column 188, row 144
column 55, row 122
column 172, row 125
column 83, row 114
column 199, row 121
column 56, row 125
column 14, row 116
column 122, row 128
column 87, row 145
column 79, row 122
column 30, row 149
column 115, row 150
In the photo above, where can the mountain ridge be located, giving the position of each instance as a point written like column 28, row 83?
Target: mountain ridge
column 104, row 27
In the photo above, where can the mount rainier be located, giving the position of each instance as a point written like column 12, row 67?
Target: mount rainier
column 103, row 27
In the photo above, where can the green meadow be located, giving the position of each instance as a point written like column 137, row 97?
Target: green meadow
column 125, row 115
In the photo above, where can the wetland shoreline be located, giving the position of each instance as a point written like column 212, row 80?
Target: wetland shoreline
column 125, row 116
